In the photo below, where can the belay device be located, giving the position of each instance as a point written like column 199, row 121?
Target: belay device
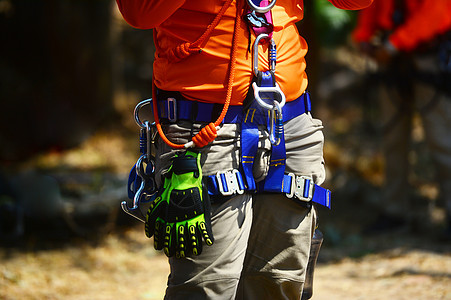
column 141, row 187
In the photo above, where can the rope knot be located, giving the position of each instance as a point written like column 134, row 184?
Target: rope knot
column 181, row 52
column 205, row 136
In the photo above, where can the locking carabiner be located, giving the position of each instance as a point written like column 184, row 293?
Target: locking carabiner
column 272, row 58
column 272, row 67
column 263, row 9
column 276, row 130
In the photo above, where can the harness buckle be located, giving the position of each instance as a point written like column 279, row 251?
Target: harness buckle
column 229, row 182
column 172, row 109
column 301, row 187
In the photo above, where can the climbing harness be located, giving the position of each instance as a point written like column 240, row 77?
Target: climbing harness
column 268, row 108
column 141, row 187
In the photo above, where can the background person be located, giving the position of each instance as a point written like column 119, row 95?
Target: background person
column 410, row 41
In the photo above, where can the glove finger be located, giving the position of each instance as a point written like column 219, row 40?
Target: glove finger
column 207, row 216
column 181, row 241
column 195, row 241
column 159, row 234
column 206, row 233
column 152, row 215
column 169, row 240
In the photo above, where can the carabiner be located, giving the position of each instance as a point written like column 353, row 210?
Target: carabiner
column 137, row 109
column 255, row 53
column 263, row 9
column 276, row 131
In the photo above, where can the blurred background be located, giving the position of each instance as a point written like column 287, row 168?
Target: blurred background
column 71, row 73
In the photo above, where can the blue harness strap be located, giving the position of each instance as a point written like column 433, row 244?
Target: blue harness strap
column 299, row 188
column 249, row 144
column 274, row 180
column 303, row 189
column 180, row 108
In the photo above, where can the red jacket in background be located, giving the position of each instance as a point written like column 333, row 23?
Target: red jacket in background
column 423, row 21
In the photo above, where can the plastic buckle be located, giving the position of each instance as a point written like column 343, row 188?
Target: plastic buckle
column 172, row 110
column 228, row 182
column 301, row 187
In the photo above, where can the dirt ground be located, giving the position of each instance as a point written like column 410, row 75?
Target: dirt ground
column 59, row 261
column 123, row 265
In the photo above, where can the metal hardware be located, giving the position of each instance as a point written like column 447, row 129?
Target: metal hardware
column 263, row 9
column 146, row 192
column 264, row 89
column 138, row 108
column 143, row 173
column 172, row 109
column 272, row 65
column 276, row 130
column 255, row 52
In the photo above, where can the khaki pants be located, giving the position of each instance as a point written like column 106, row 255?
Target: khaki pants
column 262, row 241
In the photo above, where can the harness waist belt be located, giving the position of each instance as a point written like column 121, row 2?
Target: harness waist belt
column 301, row 188
column 172, row 106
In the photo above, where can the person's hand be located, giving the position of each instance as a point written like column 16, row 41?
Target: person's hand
column 179, row 218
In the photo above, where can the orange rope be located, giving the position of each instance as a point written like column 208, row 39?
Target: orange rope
column 186, row 49
column 208, row 133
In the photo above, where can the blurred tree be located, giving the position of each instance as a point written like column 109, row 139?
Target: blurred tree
column 55, row 73
column 323, row 26
column 332, row 25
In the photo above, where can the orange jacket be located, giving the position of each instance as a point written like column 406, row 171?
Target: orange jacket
column 423, row 20
column 203, row 76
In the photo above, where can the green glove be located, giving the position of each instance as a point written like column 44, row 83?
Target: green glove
column 179, row 218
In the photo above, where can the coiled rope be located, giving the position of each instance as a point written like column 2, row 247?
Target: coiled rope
column 209, row 132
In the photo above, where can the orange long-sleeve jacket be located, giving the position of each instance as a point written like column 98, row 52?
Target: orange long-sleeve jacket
column 203, row 76
column 423, row 21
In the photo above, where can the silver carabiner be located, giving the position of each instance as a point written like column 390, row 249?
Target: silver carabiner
column 262, row 89
column 263, row 9
column 275, row 132
column 255, row 52
column 138, row 108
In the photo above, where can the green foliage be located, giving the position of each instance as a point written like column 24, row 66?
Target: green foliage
column 332, row 25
